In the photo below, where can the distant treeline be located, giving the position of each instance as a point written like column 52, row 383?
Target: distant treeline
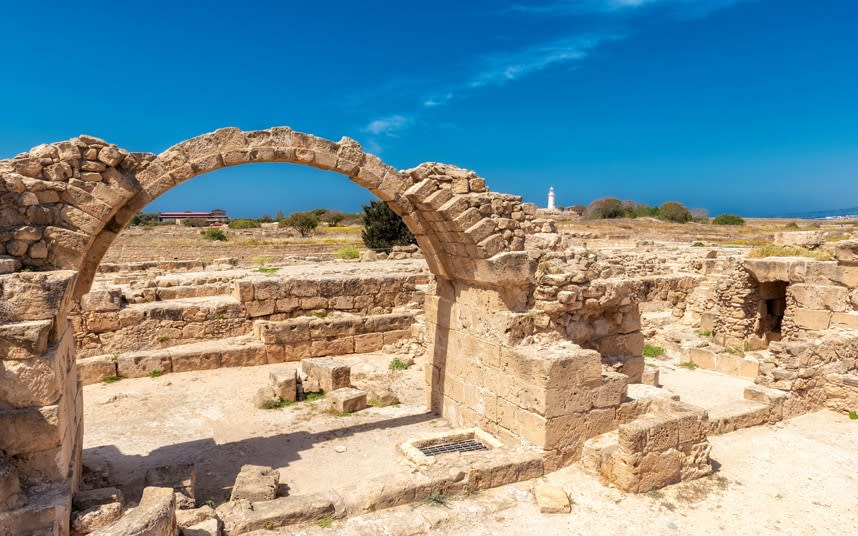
column 611, row 207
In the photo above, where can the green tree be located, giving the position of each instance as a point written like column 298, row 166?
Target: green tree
column 605, row 208
column 729, row 219
column 334, row 218
column 303, row 222
column 383, row 228
column 675, row 212
column 144, row 218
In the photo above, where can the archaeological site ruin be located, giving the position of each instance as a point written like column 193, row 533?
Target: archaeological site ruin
column 535, row 344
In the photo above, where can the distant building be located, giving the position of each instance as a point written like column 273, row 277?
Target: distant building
column 551, row 205
column 213, row 216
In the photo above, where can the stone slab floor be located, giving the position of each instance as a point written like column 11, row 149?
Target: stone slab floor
column 208, row 418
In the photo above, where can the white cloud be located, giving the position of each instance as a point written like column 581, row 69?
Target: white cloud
column 441, row 100
column 692, row 8
column 388, row 126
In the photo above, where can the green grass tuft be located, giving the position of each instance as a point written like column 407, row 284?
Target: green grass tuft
column 312, row 397
column 317, row 314
column 156, row 373
column 397, row 364
column 650, row 350
column 348, row 253
column 689, row 365
column 853, row 415
column 111, row 379
column 436, row 498
column 325, row 522
column 276, row 404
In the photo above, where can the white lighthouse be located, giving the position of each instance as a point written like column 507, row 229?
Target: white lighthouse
column 551, row 199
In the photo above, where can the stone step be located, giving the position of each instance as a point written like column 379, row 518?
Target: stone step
column 737, row 415
column 228, row 352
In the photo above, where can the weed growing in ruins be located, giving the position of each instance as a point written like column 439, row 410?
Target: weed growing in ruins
column 156, row 373
column 733, row 350
column 853, row 415
column 317, row 314
column 337, row 413
column 276, row 404
column 655, row 494
column 267, row 269
column 651, row 350
column 214, row 234
column 312, row 397
column 789, row 251
column 268, row 525
column 114, row 358
column 436, row 498
column 375, row 403
column 690, row 365
column 398, row 364
column 698, row 245
column 348, row 253
column 705, row 333
column 325, row 522
column 111, row 379
column 162, row 339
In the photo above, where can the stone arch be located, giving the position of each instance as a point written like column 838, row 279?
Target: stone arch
column 72, row 198
column 63, row 204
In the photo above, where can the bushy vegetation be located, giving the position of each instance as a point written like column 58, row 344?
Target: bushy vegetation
column 348, row 253
column 303, row 222
column 611, row 208
column 244, row 224
column 650, row 350
column 145, row 219
column 789, row 251
column 383, row 228
column 728, row 219
column 193, row 222
column 214, row 234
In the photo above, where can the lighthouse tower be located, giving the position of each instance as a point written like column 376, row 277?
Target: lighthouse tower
column 551, row 199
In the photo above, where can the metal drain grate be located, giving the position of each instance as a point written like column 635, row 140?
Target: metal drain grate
column 467, row 445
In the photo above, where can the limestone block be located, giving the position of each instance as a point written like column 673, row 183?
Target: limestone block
column 845, row 320
column 40, row 516
column 804, row 239
column 383, row 397
column 330, row 373
column 630, row 344
column 241, row 516
column 140, row 364
column 346, row 400
column 284, row 383
column 815, row 320
column 848, row 276
column 846, row 252
column 34, row 295
column 33, row 382
column 96, row 517
column 650, row 376
column 368, row 342
column 101, row 300
column 265, row 397
column 255, row 483
column 32, row 429
column 155, row 516
column 24, row 340
column 823, row 297
column 209, row 527
column 702, row 357
column 551, row 499
column 181, row 478
column 193, row 516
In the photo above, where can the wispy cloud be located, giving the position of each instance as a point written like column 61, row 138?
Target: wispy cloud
column 389, row 125
column 693, row 8
column 500, row 69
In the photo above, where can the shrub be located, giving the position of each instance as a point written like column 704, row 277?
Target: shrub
column 348, row 253
column 265, row 218
column 244, row 224
column 789, row 251
column 640, row 210
column 193, row 222
column 145, row 218
column 397, row 364
column 383, row 228
column 303, row 222
column 214, row 234
column 674, row 212
column 334, row 218
column 604, row 209
column 698, row 245
column 728, row 219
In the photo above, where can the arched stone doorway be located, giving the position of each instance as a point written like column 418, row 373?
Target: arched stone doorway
column 63, row 204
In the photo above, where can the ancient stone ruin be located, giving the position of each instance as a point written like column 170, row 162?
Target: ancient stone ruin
column 530, row 337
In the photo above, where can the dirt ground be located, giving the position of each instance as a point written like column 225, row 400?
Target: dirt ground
column 796, row 477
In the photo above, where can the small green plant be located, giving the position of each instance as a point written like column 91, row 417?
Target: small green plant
column 733, row 350
column 276, row 404
column 650, row 350
column 728, row 219
column 397, row 364
column 375, row 403
column 655, row 494
column 268, row 525
column 690, row 365
column 114, row 358
column 436, row 498
column 325, row 522
column 317, row 314
column 111, row 379
column 698, row 245
column 162, row 339
column 312, row 397
column 853, row 415
column 267, row 269
column 214, row 234
column 337, row 413
column 156, row 373
column 348, row 253
column 705, row 333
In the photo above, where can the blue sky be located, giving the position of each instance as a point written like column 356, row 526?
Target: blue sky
column 742, row 106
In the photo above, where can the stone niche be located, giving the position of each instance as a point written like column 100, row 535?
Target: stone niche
column 771, row 311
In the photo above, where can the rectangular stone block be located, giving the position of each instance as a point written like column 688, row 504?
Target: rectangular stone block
column 24, row 340
column 368, row 342
column 255, row 483
column 814, row 320
column 31, row 429
column 330, row 373
column 94, row 369
column 346, row 400
column 845, row 320
column 334, row 346
column 140, row 364
column 285, row 383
